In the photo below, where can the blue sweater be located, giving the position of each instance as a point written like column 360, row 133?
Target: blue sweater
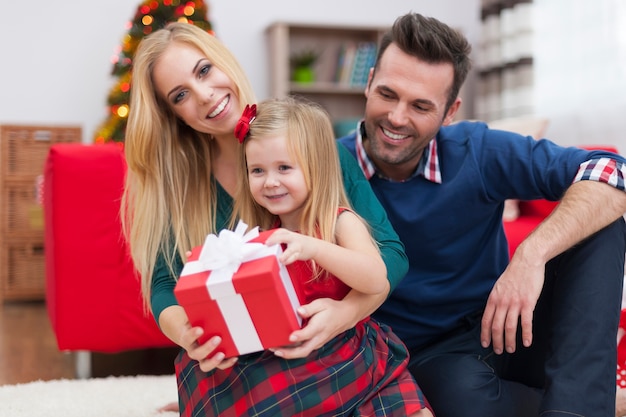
column 453, row 232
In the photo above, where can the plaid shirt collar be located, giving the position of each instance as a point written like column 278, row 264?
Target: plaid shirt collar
column 428, row 166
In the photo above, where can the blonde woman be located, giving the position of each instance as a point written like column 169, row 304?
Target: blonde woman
column 188, row 92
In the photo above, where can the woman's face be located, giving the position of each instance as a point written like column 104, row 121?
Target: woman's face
column 199, row 93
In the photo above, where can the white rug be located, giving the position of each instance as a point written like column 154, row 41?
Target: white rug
column 139, row 396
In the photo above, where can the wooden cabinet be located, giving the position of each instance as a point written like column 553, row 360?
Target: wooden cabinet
column 342, row 96
column 23, row 152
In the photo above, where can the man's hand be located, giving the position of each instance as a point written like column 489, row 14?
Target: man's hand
column 513, row 298
column 586, row 207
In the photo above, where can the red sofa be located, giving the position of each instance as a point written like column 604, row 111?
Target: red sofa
column 531, row 213
column 92, row 293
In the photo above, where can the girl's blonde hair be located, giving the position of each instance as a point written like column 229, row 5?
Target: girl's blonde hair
column 311, row 142
column 169, row 199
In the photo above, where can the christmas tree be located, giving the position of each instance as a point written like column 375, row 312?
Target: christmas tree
column 151, row 15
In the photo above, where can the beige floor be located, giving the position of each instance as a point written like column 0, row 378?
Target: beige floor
column 28, row 350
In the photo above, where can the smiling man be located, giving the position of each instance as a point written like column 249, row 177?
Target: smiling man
column 489, row 336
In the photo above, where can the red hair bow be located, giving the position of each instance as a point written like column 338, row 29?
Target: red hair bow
column 243, row 125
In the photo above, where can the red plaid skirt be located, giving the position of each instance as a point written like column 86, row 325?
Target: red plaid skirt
column 362, row 372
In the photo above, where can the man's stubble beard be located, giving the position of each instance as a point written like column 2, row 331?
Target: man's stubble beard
column 382, row 152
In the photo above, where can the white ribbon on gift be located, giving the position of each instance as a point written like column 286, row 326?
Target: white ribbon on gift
column 222, row 255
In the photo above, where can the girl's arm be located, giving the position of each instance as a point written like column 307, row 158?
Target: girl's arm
column 355, row 260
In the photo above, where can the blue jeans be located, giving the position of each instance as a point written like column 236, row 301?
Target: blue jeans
column 570, row 368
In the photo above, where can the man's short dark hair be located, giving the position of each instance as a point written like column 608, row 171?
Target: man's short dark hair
column 430, row 40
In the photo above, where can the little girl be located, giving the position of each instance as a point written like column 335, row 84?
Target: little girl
column 290, row 178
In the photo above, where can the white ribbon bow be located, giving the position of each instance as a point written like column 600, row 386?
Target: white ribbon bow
column 225, row 253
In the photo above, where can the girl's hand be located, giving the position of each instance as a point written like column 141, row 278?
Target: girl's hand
column 201, row 353
column 299, row 246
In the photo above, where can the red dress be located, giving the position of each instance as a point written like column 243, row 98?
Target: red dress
column 361, row 372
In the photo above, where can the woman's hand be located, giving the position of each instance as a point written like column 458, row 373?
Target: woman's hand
column 326, row 319
column 202, row 352
column 175, row 325
column 189, row 341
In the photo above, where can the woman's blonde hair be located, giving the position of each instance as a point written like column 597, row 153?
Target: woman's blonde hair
column 169, row 199
column 311, row 142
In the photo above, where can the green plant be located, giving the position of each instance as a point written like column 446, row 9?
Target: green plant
column 304, row 58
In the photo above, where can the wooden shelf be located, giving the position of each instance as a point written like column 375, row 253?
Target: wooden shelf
column 325, row 87
column 341, row 100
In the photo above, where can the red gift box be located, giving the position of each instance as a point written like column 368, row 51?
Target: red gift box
column 235, row 287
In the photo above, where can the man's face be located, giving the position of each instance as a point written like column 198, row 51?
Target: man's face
column 406, row 105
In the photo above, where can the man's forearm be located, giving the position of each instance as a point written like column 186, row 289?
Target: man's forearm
column 586, row 207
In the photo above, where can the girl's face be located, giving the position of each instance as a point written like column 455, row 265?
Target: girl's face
column 199, row 93
column 276, row 180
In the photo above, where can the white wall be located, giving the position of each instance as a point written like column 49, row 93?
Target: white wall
column 55, row 55
column 580, row 64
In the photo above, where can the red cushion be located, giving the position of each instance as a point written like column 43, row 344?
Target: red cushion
column 92, row 293
column 537, row 208
column 516, row 231
column 609, row 148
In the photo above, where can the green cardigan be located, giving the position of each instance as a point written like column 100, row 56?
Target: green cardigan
column 362, row 199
